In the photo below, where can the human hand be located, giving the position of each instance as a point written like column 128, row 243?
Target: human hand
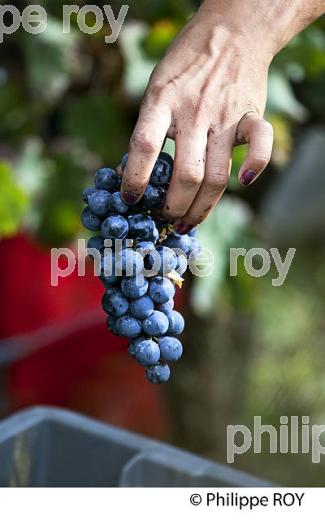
column 208, row 94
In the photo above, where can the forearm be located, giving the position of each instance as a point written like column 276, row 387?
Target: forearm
column 271, row 23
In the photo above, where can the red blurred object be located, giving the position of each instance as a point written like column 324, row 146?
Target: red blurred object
column 73, row 361
column 30, row 300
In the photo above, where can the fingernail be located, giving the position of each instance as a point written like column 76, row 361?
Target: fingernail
column 248, row 177
column 183, row 229
column 129, row 198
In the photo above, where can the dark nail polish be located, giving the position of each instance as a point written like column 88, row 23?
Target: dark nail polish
column 183, row 229
column 129, row 198
column 248, row 177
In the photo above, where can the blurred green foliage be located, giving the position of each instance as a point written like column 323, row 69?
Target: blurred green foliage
column 73, row 91
column 14, row 202
column 68, row 104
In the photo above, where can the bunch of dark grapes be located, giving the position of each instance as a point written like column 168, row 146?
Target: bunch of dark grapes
column 142, row 260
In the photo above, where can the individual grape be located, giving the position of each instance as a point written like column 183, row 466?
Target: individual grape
column 162, row 171
column 176, row 323
column 156, row 325
column 167, row 157
column 115, row 227
column 124, row 161
column 162, row 261
column 154, row 237
column 133, row 345
column 90, row 221
column 96, row 242
column 135, row 287
column 182, row 264
column 145, row 247
column 181, row 242
column 87, row 192
column 115, row 303
column 166, row 307
column 131, row 350
column 142, row 307
column 195, row 249
column 147, row 352
column 99, row 202
column 119, row 244
column 118, row 206
column 141, row 227
column 108, row 276
column 153, row 198
column 128, row 326
column 111, row 325
column 106, row 179
column 158, row 374
column 171, row 349
column 193, row 232
column 108, row 281
column 130, row 262
column 161, row 290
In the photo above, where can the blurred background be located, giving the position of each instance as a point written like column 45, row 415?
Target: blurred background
column 68, row 104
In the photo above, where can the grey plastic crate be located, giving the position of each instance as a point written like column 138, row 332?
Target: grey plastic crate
column 49, row 447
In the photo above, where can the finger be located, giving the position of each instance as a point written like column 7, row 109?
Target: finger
column 217, row 171
column 258, row 133
column 188, row 173
column 145, row 145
